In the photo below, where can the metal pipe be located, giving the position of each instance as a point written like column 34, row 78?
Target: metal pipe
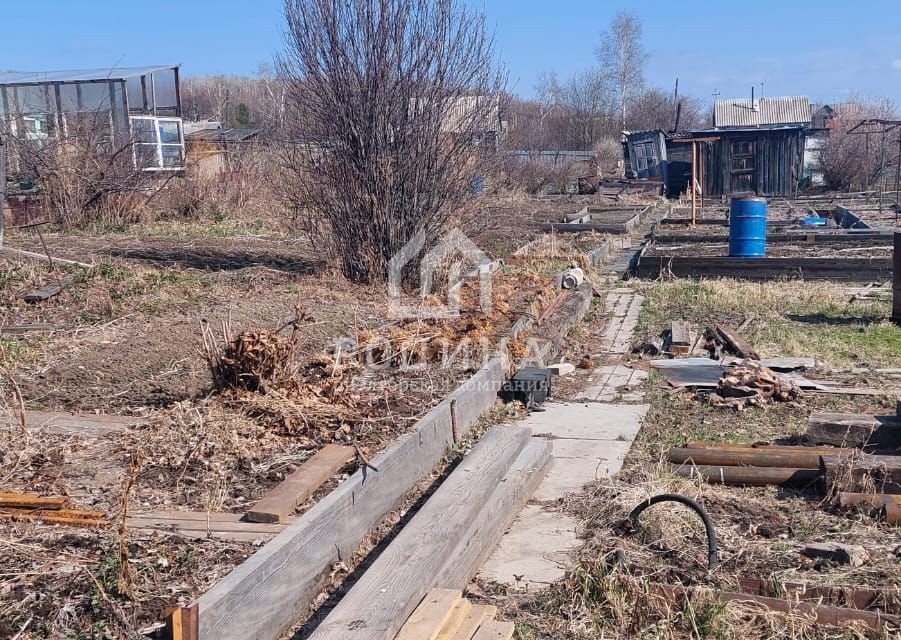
column 750, row 476
column 798, row 459
column 712, row 556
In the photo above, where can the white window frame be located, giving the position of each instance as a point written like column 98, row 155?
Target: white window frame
column 158, row 143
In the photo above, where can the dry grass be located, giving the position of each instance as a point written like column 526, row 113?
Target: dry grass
column 789, row 318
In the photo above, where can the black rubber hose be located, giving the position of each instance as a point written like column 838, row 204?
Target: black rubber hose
column 712, row 555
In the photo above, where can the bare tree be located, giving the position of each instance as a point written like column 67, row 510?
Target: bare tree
column 853, row 160
column 622, row 58
column 654, row 109
column 393, row 100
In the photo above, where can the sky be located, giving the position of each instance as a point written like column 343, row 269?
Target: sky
column 826, row 50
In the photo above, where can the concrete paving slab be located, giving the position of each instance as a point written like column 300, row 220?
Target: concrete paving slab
column 607, row 450
column 571, row 474
column 535, row 551
column 590, row 421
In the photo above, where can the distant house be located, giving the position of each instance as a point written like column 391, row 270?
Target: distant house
column 132, row 104
column 755, row 147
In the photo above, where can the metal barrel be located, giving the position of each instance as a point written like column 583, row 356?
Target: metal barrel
column 747, row 227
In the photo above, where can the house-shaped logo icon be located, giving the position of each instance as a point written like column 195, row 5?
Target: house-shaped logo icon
column 468, row 261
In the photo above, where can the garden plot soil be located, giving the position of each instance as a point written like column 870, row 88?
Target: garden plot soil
column 129, row 341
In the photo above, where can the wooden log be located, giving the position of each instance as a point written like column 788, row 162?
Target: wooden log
column 680, row 337
column 862, row 474
column 478, row 614
column 279, row 504
column 495, row 630
column 797, row 457
column 854, row 430
column 737, row 343
column 432, row 614
column 751, row 476
column 272, row 588
column 409, row 568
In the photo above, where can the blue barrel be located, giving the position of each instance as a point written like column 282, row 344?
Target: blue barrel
column 747, row 227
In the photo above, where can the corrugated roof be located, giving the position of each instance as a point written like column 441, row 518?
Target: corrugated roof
column 77, row 75
column 223, row 135
column 769, row 112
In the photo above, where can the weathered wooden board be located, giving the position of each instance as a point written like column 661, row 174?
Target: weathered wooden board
column 863, row 474
column 478, row 614
column 278, row 505
column 385, row 595
column 839, row 269
column 475, row 396
column 854, row 430
column 432, row 614
column 198, row 524
column 70, row 424
column 495, row 630
column 459, row 614
column 267, row 593
column 680, row 337
column 854, row 239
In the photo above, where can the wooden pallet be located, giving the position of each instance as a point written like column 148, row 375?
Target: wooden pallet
column 444, row 614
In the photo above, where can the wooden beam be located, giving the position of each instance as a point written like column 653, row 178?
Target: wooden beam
column 478, row 614
column 393, row 585
column 837, row 269
column 854, row 430
column 680, row 337
column 735, row 342
column 455, row 622
column 495, row 630
column 272, row 588
column 279, row 504
column 863, row 474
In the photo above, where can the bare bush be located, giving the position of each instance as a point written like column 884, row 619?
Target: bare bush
column 393, row 102
column 86, row 172
column 852, row 160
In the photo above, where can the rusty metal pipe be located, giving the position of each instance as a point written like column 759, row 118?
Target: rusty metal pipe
column 798, row 459
column 751, row 476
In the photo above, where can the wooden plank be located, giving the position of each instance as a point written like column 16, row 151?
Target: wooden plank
column 478, row 614
column 397, row 580
column 69, row 424
column 455, row 622
column 492, row 521
column 494, row 630
column 838, row 269
column 680, row 337
column 854, row 430
column 736, row 343
column 61, row 516
column 279, row 504
column 432, row 614
column 272, row 588
column 220, row 526
column 21, row 329
column 863, row 474
column 31, row 500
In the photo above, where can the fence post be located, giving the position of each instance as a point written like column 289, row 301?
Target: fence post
column 896, row 281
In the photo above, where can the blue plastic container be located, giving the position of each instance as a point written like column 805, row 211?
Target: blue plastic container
column 747, row 228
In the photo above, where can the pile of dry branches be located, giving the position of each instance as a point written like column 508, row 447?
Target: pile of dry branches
column 753, row 384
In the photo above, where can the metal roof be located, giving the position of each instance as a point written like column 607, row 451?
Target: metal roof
column 223, row 135
column 766, row 112
column 78, row 75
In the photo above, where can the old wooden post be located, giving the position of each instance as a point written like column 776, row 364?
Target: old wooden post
column 896, row 281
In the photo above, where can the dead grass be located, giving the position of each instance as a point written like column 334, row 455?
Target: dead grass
column 789, row 318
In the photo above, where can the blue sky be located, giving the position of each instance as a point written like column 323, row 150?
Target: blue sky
column 823, row 49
